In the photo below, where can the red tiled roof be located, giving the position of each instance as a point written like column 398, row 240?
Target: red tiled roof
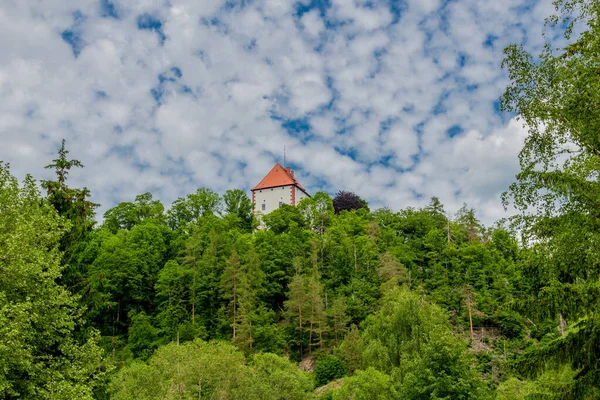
column 278, row 176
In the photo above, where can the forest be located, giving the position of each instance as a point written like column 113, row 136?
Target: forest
column 329, row 299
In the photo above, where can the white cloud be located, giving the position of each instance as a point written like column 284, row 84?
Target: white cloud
column 377, row 96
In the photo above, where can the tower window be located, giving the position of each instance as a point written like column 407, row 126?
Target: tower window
column 264, row 206
column 280, row 203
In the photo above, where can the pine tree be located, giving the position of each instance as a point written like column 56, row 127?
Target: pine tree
column 232, row 282
column 317, row 320
column 251, row 283
column 72, row 204
column 296, row 306
column 339, row 319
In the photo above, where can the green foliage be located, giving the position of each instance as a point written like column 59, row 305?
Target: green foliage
column 557, row 96
column 552, row 384
column 74, row 205
column 123, row 275
column 328, row 368
column 370, row 384
column 210, row 370
column 40, row 355
column 154, row 283
column 317, row 211
column 237, row 203
column 510, row 324
column 126, row 215
column 351, row 350
column 411, row 340
column 142, row 336
column 284, row 219
column 280, row 379
column 187, row 210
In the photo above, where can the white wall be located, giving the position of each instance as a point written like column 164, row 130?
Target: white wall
column 271, row 198
column 299, row 195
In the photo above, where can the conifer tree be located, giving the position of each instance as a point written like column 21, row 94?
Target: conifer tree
column 296, row 309
column 317, row 320
column 251, row 282
column 72, row 204
column 339, row 319
column 232, row 282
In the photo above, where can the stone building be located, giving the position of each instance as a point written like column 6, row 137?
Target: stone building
column 278, row 187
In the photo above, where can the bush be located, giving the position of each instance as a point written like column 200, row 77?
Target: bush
column 510, row 325
column 327, row 369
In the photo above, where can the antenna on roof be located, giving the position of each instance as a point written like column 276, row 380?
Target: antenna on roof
column 284, row 156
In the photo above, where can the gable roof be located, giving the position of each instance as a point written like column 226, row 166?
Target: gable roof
column 278, row 176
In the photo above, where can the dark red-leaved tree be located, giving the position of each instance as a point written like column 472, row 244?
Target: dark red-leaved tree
column 347, row 201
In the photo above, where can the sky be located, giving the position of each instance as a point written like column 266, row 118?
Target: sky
column 394, row 100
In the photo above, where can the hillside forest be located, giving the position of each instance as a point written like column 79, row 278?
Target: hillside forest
column 329, row 299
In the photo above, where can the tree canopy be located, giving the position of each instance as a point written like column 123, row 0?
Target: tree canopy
column 557, row 96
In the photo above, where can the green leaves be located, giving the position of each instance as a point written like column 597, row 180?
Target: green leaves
column 73, row 204
column 411, row 340
column 39, row 355
column 211, row 370
column 186, row 210
column 558, row 97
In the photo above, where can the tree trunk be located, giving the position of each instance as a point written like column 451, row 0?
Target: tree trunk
column 300, row 328
column 194, row 294
column 470, row 315
column 234, row 304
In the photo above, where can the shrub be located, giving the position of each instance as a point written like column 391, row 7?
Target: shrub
column 327, row 369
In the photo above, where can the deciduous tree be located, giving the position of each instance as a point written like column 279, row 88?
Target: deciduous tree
column 40, row 355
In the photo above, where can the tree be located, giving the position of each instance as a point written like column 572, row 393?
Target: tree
column 317, row 211
column 338, row 317
column 327, row 369
column 72, row 204
column 126, row 215
column 351, row 350
column 316, row 318
column 172, row 295
column 191, row 370
column 233, row 281
column 40, row 355
column 557, row 95
column 471, row 228
column 367, row 385
column 284, row 219
column 412, row 341
column 248, row 298
column 347, row 201
column 185, row 210
column 281, row 379
column 123, row 275
column 239, row 204
column 213, row 370
column 297, row 308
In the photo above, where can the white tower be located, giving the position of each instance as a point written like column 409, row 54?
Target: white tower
column 278, row 187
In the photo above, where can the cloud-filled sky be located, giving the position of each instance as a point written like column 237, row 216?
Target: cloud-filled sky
column 395, row 100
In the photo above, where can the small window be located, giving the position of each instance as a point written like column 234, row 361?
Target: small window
column 280, row 203
column 271, row 190
column 264, row 206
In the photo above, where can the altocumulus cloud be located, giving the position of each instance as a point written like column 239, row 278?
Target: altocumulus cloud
column 396, row 100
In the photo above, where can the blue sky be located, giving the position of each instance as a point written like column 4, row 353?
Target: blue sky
column 395, row 100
